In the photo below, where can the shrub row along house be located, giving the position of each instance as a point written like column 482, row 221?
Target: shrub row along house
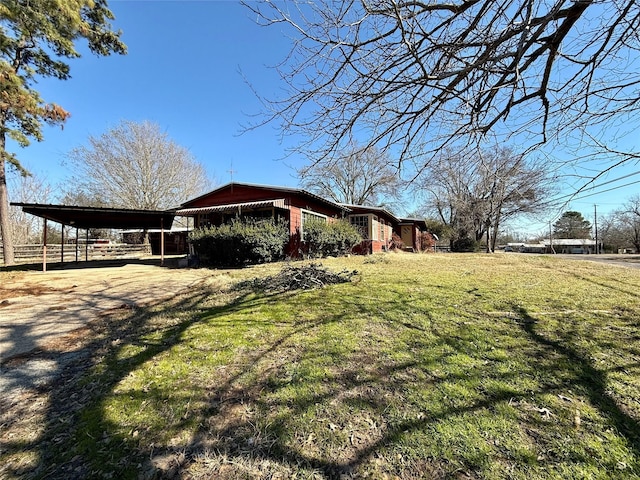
column 296, row 207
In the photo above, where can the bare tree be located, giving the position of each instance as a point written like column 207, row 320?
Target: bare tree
column 474, row 196
column 359, row 177
column 417, row 76
column 615, row 234
column 32, row 188
column 628, row 221
column 136, row 165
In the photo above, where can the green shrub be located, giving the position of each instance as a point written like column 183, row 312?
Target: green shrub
column 336, row 238
column 241, row 242
column 464, row 244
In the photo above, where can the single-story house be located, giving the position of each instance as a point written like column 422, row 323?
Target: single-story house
column 556, row 245
column 296, row 206
column 377, row 226
column 570, row 245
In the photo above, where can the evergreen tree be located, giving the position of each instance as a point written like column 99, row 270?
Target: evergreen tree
column 35, row 38
column 572, row 225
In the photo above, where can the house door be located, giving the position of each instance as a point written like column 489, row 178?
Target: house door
column 407, row 236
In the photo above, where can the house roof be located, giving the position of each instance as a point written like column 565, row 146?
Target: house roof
column 97, row 217
column 420, row 222
column 363, row 208
column 233, row 207
column 568, row 242
column 286, row 190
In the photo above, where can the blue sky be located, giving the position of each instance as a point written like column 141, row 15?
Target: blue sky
column 184, row 71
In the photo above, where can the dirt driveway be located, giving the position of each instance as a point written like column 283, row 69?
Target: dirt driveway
column 37, row 307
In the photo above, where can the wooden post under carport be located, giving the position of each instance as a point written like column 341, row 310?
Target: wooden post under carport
column 161, row 242
column 44, row 247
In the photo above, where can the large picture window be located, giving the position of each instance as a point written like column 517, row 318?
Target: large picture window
column 307, row 216
column 361, row 222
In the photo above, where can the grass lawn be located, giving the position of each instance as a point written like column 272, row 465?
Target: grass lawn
column 424, row 366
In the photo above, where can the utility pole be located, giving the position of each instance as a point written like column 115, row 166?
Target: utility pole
column 595, row 226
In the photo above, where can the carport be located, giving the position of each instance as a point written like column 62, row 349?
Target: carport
column 98, row 217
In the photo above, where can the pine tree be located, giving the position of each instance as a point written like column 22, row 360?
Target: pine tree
column 572, row 225
column 36, row 36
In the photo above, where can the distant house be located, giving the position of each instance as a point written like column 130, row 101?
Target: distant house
column 297, row 206
column 570, row 245
column 557, row 245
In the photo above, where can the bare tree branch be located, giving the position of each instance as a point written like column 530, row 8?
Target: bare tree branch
column 420, row 76
column 360, row 177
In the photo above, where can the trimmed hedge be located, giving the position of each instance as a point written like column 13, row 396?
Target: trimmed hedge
column 241, row 242
column 334, row 238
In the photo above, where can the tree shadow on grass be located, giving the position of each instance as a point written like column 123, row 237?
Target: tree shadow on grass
column 247, row 420
column 73, row 436
column 584, row 375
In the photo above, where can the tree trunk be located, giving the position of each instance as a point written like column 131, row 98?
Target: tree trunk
column 488, row 241
column 494, row 238
column 5, row 227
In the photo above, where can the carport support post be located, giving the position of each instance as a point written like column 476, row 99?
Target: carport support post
column 162, row 242
column 77, row 245
column 62, row 244
column 86, row 246
column 44, row 247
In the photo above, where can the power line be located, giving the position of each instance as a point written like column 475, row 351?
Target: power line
column 571, row 195
column 607, row 190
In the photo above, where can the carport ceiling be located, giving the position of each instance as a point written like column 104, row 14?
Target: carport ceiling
column 94, row 217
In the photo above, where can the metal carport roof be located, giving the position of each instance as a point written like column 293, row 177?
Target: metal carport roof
column 98, row 217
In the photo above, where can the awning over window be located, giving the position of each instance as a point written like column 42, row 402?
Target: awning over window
column 233, row 207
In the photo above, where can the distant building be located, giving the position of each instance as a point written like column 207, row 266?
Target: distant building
column 557, row 245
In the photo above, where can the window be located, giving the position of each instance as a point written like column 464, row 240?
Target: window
column 361, row 222
column 382, row 230
column 203, row 220
column 307, row 216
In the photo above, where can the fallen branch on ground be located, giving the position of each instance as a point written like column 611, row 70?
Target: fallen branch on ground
column 305, row 277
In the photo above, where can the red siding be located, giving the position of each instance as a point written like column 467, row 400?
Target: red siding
column 247, row 193
column 295, row 219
